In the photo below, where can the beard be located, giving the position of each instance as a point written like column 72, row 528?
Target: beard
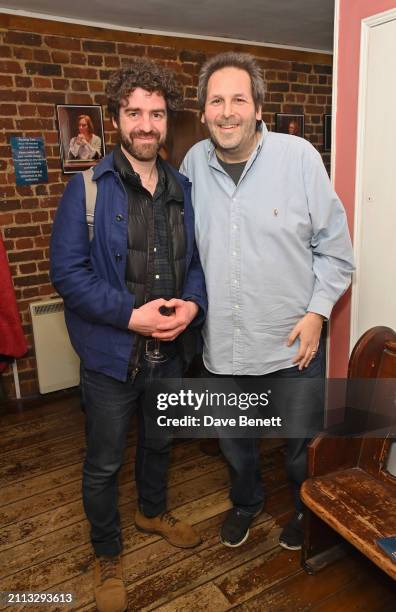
column 140, row 150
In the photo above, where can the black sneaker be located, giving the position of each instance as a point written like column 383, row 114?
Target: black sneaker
column 292, row 535
column 235, row 529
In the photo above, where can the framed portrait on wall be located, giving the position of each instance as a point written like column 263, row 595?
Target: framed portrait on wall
column 81, row 136
column 289, row 124
column 327, row 132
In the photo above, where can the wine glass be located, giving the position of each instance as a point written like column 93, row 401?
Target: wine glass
column 153, row 354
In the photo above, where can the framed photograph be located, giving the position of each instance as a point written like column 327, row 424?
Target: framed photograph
column 81, row 136
column 327, row 132
column 290, row 124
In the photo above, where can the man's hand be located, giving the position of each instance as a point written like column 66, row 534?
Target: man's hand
column 308, row 329
column 146, row 319
column 173, row 325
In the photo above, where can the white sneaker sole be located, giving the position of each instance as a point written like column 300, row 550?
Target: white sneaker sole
column 289, row 546
column 238, row 543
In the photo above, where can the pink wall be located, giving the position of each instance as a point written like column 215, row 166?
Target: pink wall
column 351, row 12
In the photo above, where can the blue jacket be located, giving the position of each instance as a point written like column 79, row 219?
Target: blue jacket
column 91, row 276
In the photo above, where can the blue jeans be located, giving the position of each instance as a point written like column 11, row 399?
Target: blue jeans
column 109, row 405
column 242, row 455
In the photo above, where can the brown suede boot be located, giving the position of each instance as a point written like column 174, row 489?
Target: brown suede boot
column 110, row 592
column 174, row 531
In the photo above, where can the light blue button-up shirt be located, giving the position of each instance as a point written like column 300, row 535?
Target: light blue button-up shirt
column 272, row 248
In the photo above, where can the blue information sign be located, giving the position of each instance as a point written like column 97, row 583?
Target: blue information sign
column 29, row 160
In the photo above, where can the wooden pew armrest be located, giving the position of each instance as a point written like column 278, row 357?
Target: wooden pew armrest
column 328, row 453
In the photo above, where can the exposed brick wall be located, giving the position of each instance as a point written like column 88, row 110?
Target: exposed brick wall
column 66, row 64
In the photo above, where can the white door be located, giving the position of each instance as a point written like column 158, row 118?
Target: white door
column 374, row 290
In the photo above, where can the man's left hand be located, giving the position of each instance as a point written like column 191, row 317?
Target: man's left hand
column 308, row 330
column 177, row 322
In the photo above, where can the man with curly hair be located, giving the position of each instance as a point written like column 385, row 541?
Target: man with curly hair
column 141, row 265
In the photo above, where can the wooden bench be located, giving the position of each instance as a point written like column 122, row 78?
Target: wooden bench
column 349, row 488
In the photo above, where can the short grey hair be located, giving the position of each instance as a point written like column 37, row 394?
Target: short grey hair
column 231, row 59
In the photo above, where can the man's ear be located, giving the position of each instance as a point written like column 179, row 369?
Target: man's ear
column 259, row 113
column 114, row 122
column 203, row 118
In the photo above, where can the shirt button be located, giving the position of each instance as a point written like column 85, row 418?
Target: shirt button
column 157, row 276
column 234, row 253
column 119, row 217
column 155, row 249
column 237, row 306
column 118, row 257
column 234, row 227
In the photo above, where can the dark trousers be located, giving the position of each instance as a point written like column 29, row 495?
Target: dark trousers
column 242, row 455
column 109, row 405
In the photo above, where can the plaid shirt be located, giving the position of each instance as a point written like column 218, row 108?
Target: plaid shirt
column 162, row 282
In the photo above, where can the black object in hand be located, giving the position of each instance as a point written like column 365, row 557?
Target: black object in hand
column 165, row 311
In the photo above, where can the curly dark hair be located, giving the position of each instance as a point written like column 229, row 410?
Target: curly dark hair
column 148, row 75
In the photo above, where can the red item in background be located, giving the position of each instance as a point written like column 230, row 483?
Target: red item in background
column 12, row 340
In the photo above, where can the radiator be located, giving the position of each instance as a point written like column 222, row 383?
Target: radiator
column 57, row 363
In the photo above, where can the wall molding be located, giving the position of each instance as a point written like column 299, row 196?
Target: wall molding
column 62, row 26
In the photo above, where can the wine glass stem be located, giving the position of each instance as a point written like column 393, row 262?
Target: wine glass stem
column 156, row 346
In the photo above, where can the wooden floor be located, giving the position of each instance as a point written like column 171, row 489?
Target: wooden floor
column 44, row 541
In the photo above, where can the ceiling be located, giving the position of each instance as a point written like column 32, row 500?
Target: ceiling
column 305, row 24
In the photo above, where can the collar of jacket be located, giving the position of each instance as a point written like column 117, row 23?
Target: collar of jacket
column 177, row 183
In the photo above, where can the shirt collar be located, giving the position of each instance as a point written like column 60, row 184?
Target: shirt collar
column 128, row 174
column 173, row 179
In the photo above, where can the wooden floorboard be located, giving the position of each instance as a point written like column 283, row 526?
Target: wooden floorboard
column 302, row 592
column 44, row 536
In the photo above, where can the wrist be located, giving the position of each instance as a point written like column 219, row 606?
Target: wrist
column 133, row 319
column 193, row 307
column 317, row 315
